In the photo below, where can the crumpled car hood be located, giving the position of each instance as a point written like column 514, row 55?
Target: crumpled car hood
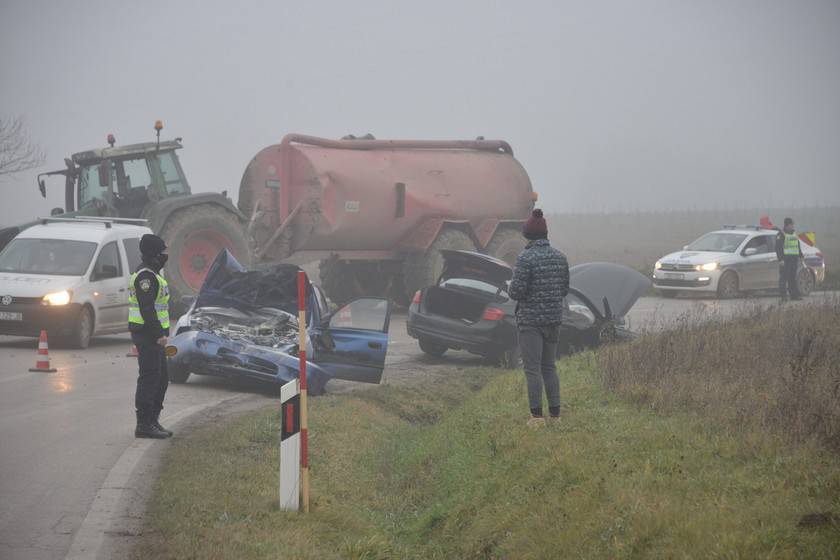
column 621, row 285
column 228, row 284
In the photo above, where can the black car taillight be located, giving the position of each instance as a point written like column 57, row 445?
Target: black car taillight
column 493, row 314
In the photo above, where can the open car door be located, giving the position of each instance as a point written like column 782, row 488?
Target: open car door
column 354, row 343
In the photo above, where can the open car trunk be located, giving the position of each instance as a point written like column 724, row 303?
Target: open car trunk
column 457, row 303
column 468, row 283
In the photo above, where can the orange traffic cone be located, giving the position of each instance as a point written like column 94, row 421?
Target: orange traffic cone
column 43, row 361
column 132, row 353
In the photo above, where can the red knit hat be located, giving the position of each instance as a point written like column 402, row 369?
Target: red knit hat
column 535, row 227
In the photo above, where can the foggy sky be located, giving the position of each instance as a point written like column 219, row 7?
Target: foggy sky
column 609, row 105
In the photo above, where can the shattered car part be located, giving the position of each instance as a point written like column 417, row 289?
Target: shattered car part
column 266, row 326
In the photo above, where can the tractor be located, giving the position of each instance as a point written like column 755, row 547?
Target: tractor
column 146, row 182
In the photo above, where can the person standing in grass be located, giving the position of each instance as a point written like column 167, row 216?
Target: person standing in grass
column 539, row 285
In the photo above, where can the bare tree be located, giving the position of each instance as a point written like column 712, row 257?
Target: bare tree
column 17, row 152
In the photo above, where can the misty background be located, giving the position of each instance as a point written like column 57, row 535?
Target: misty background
column 610, row 106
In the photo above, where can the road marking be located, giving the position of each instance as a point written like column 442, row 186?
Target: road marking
column 91, row 534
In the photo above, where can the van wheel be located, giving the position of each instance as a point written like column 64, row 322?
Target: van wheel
column 728, row 285
column 432, row 349
column 177, row 373
column 82, row 330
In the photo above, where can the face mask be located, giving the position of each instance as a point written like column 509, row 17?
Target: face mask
column 161, row 259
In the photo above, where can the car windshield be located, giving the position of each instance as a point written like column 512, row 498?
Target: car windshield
column 718, row 242
column 470, row 284
column 47, row 256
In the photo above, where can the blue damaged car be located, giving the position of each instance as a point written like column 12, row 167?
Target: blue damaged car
column 244, row 323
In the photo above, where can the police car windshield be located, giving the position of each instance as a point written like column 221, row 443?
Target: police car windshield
column 47, row 256
column 718, row 242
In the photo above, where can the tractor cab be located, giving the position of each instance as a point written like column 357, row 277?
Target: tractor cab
column 121, row 181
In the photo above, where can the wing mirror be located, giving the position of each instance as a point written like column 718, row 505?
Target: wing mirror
column 750, row 251
column 42, row 186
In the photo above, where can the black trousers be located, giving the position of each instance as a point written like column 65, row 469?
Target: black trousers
column 787, row 276
column 153, row 379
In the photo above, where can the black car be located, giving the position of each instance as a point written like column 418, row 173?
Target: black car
column 469, row 308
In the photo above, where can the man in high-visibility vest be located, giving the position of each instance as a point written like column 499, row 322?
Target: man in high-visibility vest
column 790, row 255
column 148, row 321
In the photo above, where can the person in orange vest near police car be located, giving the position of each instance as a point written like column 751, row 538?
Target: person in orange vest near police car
column 148, row 321
column 790, row 255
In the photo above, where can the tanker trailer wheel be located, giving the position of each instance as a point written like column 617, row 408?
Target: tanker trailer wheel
column 423, row 270
column 506, row 245
column 195, row 236
column 346, row 280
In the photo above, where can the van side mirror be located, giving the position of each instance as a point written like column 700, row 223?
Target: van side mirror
column 749, row 251
column 104, row 176
column 107, row 271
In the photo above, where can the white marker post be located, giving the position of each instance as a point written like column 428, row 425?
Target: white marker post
column 290, row 446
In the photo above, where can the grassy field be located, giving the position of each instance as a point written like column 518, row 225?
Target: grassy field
column 449, row 470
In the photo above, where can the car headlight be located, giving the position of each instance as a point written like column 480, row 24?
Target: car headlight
column 658, row 265
column 708, row 267
column 57, row 298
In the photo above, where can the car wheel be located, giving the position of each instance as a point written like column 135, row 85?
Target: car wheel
column 668, row 293
column 728, row 285
column 607, row 334
column 82, row 330
column 432, row 348
column 512, row 359
column 318, row 387
column 805, row 281
column 177, row 373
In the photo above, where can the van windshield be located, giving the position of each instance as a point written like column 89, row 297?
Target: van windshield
column 47, row 256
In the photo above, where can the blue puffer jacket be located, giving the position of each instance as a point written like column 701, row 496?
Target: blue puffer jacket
column 540, row 282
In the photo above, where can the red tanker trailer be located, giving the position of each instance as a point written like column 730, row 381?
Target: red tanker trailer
column 377, row 212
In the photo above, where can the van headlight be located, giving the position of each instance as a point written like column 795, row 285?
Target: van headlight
column 658, row 265
column 57, row 298
column 708, row 267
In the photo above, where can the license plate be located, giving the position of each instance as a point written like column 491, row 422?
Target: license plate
column 674, row 275
column 10, row 316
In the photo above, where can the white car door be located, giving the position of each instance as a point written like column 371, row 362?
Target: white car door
column 760, row 269
column 110, row 289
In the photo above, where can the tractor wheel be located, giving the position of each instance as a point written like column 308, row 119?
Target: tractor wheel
column 423, row 270
column 195, row 236
column 506, row 245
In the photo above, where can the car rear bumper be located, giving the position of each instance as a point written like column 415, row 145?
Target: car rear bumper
column 56, row 320
column 486, row 338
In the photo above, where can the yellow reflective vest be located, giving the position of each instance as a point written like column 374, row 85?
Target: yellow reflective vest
column 791, row 246
column 161, row 300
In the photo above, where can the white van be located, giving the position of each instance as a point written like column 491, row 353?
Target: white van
column 69, row 276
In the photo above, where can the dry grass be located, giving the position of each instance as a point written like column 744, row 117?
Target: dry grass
column 776, row 368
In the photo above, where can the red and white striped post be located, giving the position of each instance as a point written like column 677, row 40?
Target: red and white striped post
column 304, row 425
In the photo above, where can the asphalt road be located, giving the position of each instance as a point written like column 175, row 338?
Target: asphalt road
column 62, row 433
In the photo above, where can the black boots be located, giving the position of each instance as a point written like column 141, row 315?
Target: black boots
column 148, row 428
column 156, row 424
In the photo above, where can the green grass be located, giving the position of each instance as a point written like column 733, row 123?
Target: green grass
column 451, row 471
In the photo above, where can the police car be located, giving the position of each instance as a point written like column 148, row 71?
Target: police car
column 69, row 276
column 733, row 260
